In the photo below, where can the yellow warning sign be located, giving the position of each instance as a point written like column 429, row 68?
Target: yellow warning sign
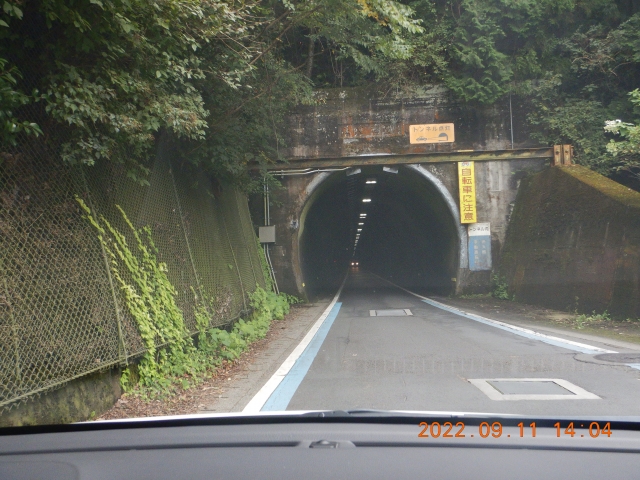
column 432, row 133
column 467, row 186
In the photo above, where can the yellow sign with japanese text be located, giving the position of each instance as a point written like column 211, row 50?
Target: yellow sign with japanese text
column 432, row 133
column 467, row 186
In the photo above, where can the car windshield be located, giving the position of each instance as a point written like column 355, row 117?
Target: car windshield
column 213, row 207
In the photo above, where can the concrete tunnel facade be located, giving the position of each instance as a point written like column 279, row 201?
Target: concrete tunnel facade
column 412, row 235
column 420, row 202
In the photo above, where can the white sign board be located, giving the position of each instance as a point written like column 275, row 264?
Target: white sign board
column 479, row 229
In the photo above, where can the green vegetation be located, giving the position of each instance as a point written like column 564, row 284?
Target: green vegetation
column 568, row 65
column 628, row 150
column 171, row 358
column 216, row 77
column 109, row 78
column 583, row 320
column 500, row 287
column 265, row 267
column 475, row 295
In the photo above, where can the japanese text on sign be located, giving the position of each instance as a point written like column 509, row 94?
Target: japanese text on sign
column 432, row 133
column 479, row 246
column 467, row 186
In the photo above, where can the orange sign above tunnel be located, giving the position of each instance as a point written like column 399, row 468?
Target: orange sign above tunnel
column 432, row 133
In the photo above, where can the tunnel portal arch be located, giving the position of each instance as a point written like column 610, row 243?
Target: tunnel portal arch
column 333, row 199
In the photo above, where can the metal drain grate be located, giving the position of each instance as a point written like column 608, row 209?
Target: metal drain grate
column 398, row 312
column 531, row 389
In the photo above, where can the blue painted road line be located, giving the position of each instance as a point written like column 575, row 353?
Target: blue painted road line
column 280, row 398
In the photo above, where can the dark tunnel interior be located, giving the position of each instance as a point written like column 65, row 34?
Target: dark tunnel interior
column 405, row 233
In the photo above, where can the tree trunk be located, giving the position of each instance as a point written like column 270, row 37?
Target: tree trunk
column 310, row 53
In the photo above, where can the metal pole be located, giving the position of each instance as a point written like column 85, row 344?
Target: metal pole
column 14, row 332
column 107, row 266
column 271, row 271
column 246, row 243
column 511, row 118
column 233, row 254
column 265, row 199
column 268, row 218
column 186, row 239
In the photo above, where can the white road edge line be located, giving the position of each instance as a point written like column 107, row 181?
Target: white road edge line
column 260, row 398
column 497, row 323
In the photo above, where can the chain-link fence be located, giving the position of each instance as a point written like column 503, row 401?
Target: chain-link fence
column 62, row 314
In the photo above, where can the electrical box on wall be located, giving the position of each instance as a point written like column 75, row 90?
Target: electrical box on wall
column 267, row 234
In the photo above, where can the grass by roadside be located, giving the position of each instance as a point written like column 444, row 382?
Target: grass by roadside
column 599, row 324
column 215, row 384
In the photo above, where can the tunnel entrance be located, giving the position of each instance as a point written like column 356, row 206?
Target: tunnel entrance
column 393, row 222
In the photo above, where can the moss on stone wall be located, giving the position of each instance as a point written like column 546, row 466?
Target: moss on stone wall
column 574, row 243
column 76, row 401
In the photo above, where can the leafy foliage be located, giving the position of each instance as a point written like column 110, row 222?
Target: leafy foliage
column 216, row 77
column 171, row 358
column 629, row 148
column 265, row 268
column 11, row 99
column 111, row 76
column 583, row 320
column 570, row 64
column 500, row 288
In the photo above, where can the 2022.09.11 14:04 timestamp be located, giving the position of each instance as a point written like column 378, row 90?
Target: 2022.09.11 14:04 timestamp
column 495, row 430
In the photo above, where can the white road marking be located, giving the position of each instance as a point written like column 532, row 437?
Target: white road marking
column 486, row 388
column 523, row 332
column 260, row 398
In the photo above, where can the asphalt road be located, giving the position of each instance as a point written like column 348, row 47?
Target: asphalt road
column 425, row 361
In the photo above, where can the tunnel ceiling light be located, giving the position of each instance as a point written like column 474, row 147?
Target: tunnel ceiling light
column 362, row 215
column 360, row 223
column 359, row 229
column 371, row 181
column 366, row 200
